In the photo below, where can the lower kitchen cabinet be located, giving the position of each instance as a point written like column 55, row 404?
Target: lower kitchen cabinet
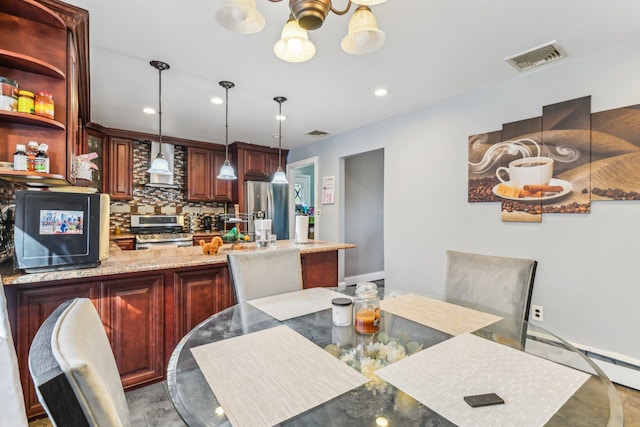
column 320, row 269
column 34, row 306
column 198, row 294
column 132, row 311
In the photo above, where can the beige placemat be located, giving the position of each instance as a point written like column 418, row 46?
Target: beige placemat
column 297, row 303
column 266, row 377
column 440, row 376
column 443, row 316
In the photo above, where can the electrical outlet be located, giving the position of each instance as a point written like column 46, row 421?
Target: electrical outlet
column 537, row 313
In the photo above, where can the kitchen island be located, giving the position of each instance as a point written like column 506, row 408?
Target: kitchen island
column 147, row 300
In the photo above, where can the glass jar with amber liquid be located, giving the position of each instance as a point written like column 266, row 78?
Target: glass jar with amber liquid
column 366, row 309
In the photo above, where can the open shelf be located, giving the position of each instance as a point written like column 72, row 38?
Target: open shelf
column 29, row 64
column 32, row 10
column 32, row 179
column 29, row 119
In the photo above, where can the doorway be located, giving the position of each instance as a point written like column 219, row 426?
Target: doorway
column 303, row 194
column 364, row 216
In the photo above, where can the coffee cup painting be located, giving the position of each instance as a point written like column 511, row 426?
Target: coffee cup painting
column 557, row 163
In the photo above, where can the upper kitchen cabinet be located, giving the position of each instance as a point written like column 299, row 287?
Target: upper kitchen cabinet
column 120, row 168
column 44, row 48
column 256, row 162
column 203, row 165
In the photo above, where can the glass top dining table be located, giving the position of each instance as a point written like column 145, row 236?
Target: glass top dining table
column 594, row 403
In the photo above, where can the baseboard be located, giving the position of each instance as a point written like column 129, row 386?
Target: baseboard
column 619, row 368
column 369, row 277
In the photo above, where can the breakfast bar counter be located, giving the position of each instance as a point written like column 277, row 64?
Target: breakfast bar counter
column 147, row 301
column 120, row 261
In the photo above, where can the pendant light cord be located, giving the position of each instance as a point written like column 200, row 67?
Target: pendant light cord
column 160, row 109
column 226, row 124
column 280, row 135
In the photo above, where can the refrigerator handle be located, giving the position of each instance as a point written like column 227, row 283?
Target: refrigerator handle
column 270, row 207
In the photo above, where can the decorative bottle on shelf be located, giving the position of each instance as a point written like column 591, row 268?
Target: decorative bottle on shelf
column 366, row 319
column 20, row 158
column 42, row 160
column 32, row 152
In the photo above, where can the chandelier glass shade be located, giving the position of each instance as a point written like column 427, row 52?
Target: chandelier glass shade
column 241, row 16
column 294, row 44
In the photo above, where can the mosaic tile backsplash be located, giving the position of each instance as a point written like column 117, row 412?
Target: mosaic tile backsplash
column 150, row 200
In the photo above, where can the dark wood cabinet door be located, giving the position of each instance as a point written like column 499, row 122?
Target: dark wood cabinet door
column 320, row 269
column 35, row 306
column 199, row 294
column 132, row 310
column 273, row 163
column 255, row 163
column 199, row 174
column 222, row 187
column 120, row 169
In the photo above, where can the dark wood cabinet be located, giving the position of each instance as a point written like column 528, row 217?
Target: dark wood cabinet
column 36, row 304
column 203, row 185
column 120, row 169
column 198, row 294
column 132, row 311
column 126, row 244
column 253, row 163
column 320, row 269
column 38, row 51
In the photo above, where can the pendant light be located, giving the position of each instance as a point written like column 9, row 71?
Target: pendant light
column 159, row 166
column 280, row 177
column 226, row 171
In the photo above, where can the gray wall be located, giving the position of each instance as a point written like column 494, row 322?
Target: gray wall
column 587, row 276
column 364, row 216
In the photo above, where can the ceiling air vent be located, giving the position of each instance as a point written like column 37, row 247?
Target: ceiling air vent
column 536, row 57
column 318, row 133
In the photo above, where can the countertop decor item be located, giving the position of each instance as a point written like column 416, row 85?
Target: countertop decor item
column 241, row 16
column 280, row 177
column 226, row 171
column 160, row 166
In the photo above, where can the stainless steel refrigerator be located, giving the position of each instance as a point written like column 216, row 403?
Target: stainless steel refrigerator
column 268, row 201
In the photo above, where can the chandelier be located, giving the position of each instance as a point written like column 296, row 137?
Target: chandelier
column 241, row 16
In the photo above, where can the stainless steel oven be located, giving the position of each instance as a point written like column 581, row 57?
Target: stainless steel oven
column 160, row 231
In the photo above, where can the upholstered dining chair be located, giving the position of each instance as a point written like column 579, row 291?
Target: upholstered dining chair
column 74, row 370
column 77, row 380
column 263, row 273
column 12, row 409
column 500, row 283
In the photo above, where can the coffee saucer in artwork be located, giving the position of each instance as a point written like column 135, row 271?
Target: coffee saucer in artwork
column 566, row 189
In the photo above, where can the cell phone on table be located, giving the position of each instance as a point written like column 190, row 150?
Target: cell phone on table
column 486, row 399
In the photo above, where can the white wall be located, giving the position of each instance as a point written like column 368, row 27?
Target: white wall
column 587, row 278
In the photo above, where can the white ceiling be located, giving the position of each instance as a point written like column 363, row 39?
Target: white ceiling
column 434, row 50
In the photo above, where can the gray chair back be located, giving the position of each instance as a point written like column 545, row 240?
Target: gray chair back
column 266, row 272
column 500, row 283
column 74, row 370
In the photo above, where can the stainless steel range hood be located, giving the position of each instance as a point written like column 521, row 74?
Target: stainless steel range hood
column 162, row 181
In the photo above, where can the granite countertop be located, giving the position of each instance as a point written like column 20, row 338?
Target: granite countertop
column 120, row 261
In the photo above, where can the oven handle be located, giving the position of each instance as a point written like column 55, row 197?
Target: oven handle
column 163, row 245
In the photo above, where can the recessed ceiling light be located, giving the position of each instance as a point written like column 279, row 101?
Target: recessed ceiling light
column 281, row 117
column 381, row 92
column 149, row 110
column 216, row 100
column 275, row 136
